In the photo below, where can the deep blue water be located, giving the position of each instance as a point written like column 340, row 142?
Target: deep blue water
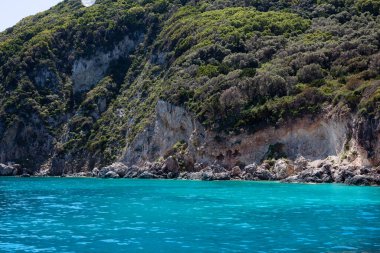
column 94, row 215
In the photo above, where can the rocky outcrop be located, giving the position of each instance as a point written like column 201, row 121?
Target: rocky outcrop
column 10, row 169
column 115, row 170
column 87, row 72
column 172, row 125
column 313, row 139
column 329, row 170
column 282, row 169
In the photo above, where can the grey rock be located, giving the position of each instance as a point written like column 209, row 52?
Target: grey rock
column 170, row 167
column 247, row 176
column 343, row 173
column 194, row 175
column 262, row 174
column 313, row 175
column 103, row 171
column 300, row 164
column 95, row 172
column 80, row 174
column 133, row 172
column 222, row 176
column 111, row 174
column 251, row 168
column 119, row 168
column 199, row 166
column 207, row 174
column 147, row 175
column 172, row 175
column 7, row 170
column 282, row 169
column 236, row 171
column 364, row 180
column 217, row 168
column 183, row 175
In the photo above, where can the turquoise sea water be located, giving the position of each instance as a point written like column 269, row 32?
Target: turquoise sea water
column 94, row 215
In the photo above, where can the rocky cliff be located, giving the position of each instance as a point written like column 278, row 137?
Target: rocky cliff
column 314, row 138
column 193, row 87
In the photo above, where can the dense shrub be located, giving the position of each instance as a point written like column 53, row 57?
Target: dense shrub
column 310, row 73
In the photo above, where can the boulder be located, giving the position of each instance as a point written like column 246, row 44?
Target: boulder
column 313, row 175
column 111, row 174
column 170, row 165
column 300, row 164
column 133, row 172
column 236, row 171
column 262, row 174
column 282, row 169
column 343, row 173
column 222, row 176
column 207, row 174
column 80, row 174
column 155, row 168
column 95, row 172
column 147, row 175
column 172, row 175
column 183, row 175
column 251, row 168
column 119, row 168
column 194, row 176
column 364, row 180
column 363, row 176
column 247, row 176
column 103, row 171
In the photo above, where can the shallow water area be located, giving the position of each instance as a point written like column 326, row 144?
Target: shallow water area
column 85, row 214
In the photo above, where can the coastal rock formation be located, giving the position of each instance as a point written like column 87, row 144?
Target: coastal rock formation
column 193, row 90
column 329, row 170
column 312, row 139
column 9, row 169
column 114, row 170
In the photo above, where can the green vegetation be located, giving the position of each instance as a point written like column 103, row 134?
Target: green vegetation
column 238, row 65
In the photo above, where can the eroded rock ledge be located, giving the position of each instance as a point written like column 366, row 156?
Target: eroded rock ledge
column 301, row 170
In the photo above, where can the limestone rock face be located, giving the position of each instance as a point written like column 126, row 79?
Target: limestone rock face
column 302, row 140
column 316, row 152
column 172, row 125
column 87, row 72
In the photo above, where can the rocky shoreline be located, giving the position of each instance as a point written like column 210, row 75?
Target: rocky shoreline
column 300, row 170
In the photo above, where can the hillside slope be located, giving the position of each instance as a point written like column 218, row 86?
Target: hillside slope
column 235, row 82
